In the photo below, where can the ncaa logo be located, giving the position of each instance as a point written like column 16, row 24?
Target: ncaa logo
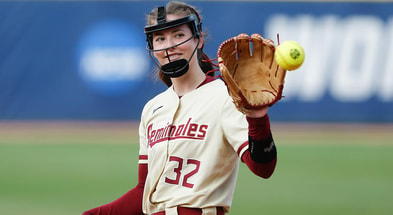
column 111, row 57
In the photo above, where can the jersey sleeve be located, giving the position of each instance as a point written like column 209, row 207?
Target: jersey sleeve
column 143, row 143
column 235, row 127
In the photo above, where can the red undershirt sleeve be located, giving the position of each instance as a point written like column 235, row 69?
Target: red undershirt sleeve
column 130, row 203
column 259, row 129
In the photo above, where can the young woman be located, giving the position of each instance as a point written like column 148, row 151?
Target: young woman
column 192, row 137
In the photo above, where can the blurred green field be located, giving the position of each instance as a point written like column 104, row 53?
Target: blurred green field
column 64, row 169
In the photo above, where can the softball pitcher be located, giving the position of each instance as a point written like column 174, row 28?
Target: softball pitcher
column 192, row 135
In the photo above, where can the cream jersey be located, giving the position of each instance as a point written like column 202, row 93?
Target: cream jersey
column 192, row 146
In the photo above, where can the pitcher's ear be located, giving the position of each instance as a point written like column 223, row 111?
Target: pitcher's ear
column 201, row 42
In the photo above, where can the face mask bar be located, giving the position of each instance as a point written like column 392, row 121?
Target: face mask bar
column 166, row 49
column 175, row 68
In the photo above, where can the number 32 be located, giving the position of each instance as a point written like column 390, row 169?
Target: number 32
column 178, row 171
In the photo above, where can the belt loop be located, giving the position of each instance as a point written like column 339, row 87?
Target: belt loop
column 171, row 211
column 209, row 211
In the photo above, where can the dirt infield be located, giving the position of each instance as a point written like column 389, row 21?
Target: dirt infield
column 125, row 132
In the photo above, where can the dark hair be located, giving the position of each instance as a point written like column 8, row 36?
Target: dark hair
column 182, row 9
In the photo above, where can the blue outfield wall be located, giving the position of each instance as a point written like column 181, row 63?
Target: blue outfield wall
column 86, row 60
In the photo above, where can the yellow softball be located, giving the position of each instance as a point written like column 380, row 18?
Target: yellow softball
column 289, row 55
